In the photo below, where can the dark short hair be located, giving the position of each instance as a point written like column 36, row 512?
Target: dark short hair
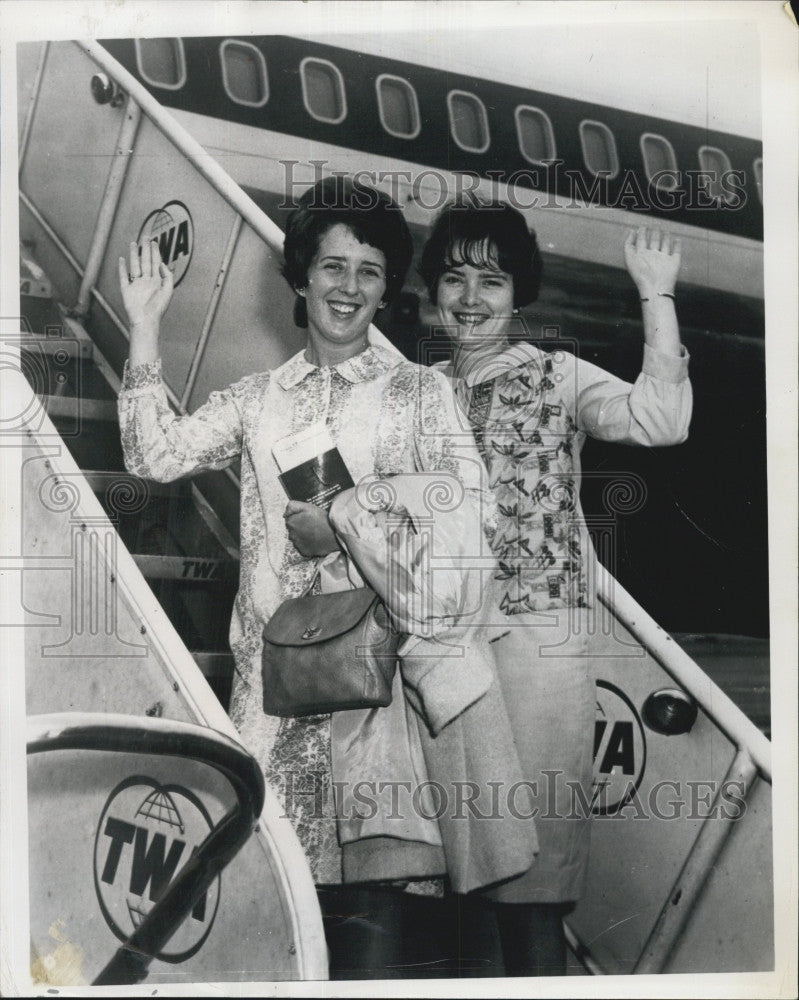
column 465, row 228
column 371, row 215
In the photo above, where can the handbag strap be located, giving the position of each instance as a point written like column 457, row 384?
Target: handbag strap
column 317, row 574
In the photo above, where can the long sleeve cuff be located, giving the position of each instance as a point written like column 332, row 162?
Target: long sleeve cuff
column 441, row 686
column 666, row 367
column 141, row 377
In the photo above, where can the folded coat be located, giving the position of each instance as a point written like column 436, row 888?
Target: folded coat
column 426, row 559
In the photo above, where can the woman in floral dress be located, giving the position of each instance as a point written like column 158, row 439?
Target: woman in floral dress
column 530, row 411
column 347, row 250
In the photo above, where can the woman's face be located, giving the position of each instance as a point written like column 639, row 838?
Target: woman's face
column 476, row 303
column 346, row 285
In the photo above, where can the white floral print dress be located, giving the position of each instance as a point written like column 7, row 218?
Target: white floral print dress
column 387, row 416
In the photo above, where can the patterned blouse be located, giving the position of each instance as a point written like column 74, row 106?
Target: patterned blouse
column 531, row 411
column 387, row 416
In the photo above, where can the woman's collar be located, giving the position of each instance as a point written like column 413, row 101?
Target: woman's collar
column 485, row 369
column 362, row 367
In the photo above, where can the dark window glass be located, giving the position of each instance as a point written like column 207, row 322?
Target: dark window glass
column 468, row 121
column 716, row 163
column 161, row 61
column 399, row 109
column 658, row 155
column 536, row 138
column 599, row 149
column 323, row 90
column 244, row 73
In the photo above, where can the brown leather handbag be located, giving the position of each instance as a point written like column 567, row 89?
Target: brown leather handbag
column 328, row 653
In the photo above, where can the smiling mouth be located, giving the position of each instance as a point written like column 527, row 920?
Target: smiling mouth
column 471, row 319
column 344, row 308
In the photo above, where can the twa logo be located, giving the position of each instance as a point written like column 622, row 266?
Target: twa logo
column 173, row 228
column 146, row 833
column 619, row 749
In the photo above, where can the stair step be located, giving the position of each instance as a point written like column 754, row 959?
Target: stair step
column 32, row 280
column 93, row 444
column 68, row 347
column 58, row 369
column 215, row 664
column 73, row 408
column 40, row 315
column 163, row 522
column 199, row 611
column 103, row 482
column 188, row 569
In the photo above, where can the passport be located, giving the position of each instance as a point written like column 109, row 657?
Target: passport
column 311, row 467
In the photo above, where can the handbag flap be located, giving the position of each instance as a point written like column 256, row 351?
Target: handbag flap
column 305, row 621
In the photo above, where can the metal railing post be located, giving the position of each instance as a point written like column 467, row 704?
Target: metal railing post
column 698, row 865
column 108, row 206
column 210, row 314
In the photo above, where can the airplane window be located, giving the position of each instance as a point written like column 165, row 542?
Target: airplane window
column 599, row 149
column 716, row 163
column 658, row 154
column 398, row 105
column 758, row 165
column 244, row 73
column 536, row 138
column 468, row 121
column 323, row 90
column 161, row 62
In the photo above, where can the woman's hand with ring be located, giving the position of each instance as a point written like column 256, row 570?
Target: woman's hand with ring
column 146, row 285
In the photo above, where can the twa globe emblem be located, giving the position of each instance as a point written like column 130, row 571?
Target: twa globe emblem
column 146, row 834
column 173, row 229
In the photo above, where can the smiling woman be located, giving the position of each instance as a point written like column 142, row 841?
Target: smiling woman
column 346, row 285
column 346, row 252
column 531, row 411
column 348, row 245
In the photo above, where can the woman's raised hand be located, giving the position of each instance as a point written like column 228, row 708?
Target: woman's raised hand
column 146, row 286
column 653, row 260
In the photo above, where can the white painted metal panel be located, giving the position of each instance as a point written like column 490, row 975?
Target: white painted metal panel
column 66, row 169
column 637, row 852
column 254, row 327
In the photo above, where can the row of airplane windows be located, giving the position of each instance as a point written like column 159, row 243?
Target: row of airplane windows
column 161, row 63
